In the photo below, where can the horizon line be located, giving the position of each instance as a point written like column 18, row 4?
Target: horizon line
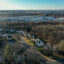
column 31, row 9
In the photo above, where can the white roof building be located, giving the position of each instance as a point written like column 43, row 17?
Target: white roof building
column 39, row 42
column 4, row 35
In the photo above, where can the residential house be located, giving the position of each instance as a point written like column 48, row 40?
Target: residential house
column 20, row 32
column 4, row 35
column 39, row 42
column 11, row 41
column 28, row 35
column 1, row 29
column 12, row 31
column 9, row 37
column 33, row 38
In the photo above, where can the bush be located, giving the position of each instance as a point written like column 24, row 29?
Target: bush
column 61, row 46
column 8, row 53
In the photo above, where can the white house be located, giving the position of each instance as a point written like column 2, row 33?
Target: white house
column 39, row 42
column 20, row 32
column 5, row 35
column 1, row 29
column 12, row 31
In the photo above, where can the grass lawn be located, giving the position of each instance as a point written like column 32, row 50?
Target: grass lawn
column 29, row 42
column 40, row 48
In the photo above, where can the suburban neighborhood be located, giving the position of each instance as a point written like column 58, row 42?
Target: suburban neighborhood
column 14, row 38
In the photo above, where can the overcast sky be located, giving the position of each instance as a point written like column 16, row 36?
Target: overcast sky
column 31, row 4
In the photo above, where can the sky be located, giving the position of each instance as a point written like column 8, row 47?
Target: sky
column 31, row 4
